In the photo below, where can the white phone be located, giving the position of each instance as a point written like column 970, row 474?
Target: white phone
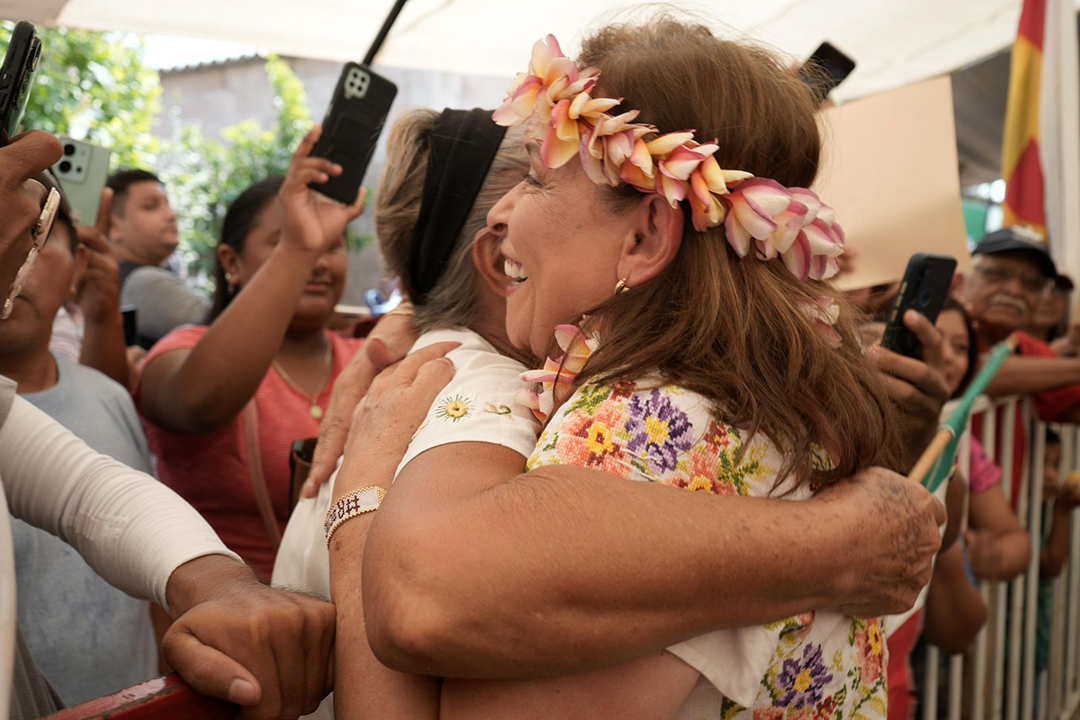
column 82, row 173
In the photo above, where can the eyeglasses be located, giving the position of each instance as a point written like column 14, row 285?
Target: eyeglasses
column 39, row 234
column 1000, row 275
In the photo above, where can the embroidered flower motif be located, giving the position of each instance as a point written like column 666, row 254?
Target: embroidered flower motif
column 801, row 681
column 454, row 408
column 768, row 713
column 716, row 436
column 659, row 431
column 702, row 473
column 554, row 102
column 591, row 439
column 503, row 410
column 871, row 647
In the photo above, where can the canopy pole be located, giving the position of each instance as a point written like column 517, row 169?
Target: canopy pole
column 377, row 44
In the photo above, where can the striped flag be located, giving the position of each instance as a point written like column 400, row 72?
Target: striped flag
column 1020, row 164
column 1041, row 152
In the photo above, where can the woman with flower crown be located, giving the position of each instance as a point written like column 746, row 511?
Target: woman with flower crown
column 699, row 349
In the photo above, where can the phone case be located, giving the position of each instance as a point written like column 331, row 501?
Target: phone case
column 351, row 128
column 924, row 288
column 17, row 78
column 82, row 173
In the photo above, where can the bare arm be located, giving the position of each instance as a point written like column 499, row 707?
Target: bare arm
column 202, row 389
column 1025, row 375
column 998, row 546
column 1056, row 553
column 954, row 608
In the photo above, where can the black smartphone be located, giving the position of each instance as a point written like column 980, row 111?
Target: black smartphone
column 17, row 78
column 924, row 288
column 352, row 127
column 826, row 68
column 131, row 328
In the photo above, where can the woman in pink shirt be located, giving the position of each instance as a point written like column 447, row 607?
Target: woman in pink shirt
column 260, row 375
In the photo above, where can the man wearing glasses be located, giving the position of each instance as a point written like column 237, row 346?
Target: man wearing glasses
column 1013, row 272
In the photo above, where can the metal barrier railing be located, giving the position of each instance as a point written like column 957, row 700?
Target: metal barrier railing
column 997, row 679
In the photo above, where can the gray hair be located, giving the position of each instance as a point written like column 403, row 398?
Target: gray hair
column 454, row 301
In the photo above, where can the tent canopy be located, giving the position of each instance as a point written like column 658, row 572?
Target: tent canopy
column 895, row 43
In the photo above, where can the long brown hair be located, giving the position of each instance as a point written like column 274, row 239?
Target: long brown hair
column 735, row 329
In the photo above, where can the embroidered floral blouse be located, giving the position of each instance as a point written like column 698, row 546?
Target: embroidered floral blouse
column 817, row 665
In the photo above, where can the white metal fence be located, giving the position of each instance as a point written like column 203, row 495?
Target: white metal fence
column 996, row 679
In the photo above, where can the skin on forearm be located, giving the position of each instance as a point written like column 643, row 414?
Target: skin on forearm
column 103, row 348
column 954, row 608
column 1025, row 375
column 1056, row 553
column 202, row 578
column 440, row 606
column 364, row 687
column 202, row 389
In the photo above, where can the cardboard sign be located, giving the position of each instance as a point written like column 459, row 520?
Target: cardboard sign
column 891, row 172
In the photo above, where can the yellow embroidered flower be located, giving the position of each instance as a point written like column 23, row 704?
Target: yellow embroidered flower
column 453, row 408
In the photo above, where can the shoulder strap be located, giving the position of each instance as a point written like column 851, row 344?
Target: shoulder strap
column 250, row 418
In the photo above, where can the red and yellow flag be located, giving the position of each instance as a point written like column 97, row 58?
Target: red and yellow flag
column 1020, row 165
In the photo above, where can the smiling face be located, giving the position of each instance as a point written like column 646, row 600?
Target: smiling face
column 1004, row 289
column 324, row 287
column 955, row 347
column 562, row 246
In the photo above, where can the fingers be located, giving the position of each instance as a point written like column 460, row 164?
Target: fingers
column 391, row 340
column 928, row 335
column 303, row 150
column 208, row 670
column 355, row 210
column 93, row 238
column 104, row 216
column 313, row 170
column 406, row 372
column 433, row 377
column 916, row 372
column 27, row 155
column 941, row 516
column 350, row 387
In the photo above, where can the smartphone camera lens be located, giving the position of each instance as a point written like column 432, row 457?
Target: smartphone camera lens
column 65, row 167
column 69, row 149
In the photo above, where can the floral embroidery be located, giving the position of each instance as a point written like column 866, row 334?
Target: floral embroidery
column 800, row 682
column 503, row 410
column 454, row 408
column 818, row 669
column 659, row 430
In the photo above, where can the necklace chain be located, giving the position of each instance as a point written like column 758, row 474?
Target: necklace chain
column 328, row 361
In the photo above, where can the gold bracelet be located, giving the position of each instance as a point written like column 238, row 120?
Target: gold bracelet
column 358, row 502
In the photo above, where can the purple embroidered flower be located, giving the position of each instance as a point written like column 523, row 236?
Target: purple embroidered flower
column 800, row 683
column 658, row 430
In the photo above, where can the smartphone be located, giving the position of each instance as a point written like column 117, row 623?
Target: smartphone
column 17, row 78
column 352, row 127
column 82, row 173
column 924, row 288
column 826, row 68
column 131, row 328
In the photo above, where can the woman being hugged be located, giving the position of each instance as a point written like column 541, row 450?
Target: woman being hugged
column 226, row 401
column 712, row 357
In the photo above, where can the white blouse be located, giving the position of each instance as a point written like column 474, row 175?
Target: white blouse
column 131, row 529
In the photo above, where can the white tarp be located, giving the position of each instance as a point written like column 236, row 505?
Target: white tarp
column 896, row 42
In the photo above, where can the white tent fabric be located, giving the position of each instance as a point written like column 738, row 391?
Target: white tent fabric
column 895, row 42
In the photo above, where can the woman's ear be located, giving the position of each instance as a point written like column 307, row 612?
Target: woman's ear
column 657, row 237
column 488, row 261
column 229, row 259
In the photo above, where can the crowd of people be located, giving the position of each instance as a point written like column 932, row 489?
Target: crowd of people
column 592, row 301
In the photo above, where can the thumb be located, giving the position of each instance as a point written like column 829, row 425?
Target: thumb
column 208, row 670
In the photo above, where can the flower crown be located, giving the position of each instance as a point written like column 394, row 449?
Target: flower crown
column 554, row 99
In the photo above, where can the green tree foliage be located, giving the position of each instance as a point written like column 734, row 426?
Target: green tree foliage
column 96, row 87
column 204, row 175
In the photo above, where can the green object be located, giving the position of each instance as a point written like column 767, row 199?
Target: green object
column 975, row 215
column 957, row 422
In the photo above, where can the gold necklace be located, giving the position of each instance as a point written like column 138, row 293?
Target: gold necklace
column 315, row 410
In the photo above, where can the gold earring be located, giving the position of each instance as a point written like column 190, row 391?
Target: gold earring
column 621, row 286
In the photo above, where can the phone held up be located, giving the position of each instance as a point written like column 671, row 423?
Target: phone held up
column 924, row 288
column 825, row 70
column 82, row 173
column 17, row 78
column 352, row 127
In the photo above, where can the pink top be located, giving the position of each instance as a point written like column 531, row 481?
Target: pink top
column 211, row 472
column 984, row 472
